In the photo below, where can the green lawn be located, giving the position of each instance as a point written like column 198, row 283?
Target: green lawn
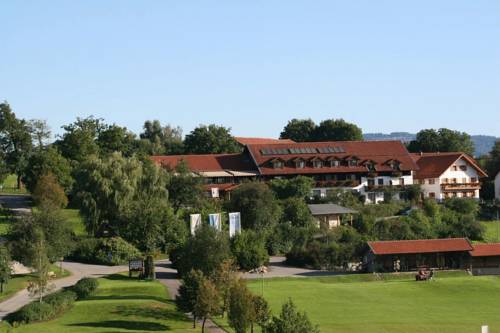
column 121, row 305
column 456, row 303
column 5, row 220
column 492, row 233
column 18, row 282
column 9, row 186
column 75, row 220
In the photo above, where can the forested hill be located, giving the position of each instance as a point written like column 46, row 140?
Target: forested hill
column 482, row 143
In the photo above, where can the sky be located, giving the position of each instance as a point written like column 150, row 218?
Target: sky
column 253, row 65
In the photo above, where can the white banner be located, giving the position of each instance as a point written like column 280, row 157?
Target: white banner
column 214, row 221
column 195, row 222
column 234, row 224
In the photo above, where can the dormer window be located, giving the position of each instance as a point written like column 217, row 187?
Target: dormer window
column 394, row 164
column 352, row 162
column 300, row 164
column 317, row 164
column 370, row 166
column 334, row 163
column 278, row 164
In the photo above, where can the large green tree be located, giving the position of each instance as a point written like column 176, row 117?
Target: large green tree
column 208, row 302
column 79, row 140
column 493, row 163
column 241, row 309
column 188, row 292
column 158, row 140
column 297, row 187
column 15, row 141
column 441, row 140
column 184, row 188
column 298, row 130
column 114, row 138
column 337, row 130
column 211, row 139
column 257, row 204
column 291, row 320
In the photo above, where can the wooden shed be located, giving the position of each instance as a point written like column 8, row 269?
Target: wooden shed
column 485, row 259
column 329, row 215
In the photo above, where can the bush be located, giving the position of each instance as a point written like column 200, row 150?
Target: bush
column 249, row 248
column 85, row 288
column 106, row 251
column 52, row 305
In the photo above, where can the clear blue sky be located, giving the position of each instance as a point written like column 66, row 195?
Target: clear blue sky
column 253, row 65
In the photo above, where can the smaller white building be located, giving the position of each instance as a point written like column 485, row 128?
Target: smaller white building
column 448, row 175
column 497, row 186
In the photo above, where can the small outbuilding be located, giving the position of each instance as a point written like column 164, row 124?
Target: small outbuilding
column 410, row 255
column 330, row 215
column 485, row 259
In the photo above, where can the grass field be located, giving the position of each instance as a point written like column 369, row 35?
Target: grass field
column 18, row 282
column 9, row 186
column 72, row 216
column 121, row 305
column 492, row 231
column 455, row 303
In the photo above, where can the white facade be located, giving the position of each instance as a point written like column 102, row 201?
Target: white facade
column 460, row 180
column 371, row 188
column 497, row 186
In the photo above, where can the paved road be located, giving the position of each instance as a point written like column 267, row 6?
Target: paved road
column 18, row 204
column 77, row 270
column 277, row 268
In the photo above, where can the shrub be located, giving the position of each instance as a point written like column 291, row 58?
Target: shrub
column 85, row 288
column 52, row 305
column 106, row 251
column 249, row 248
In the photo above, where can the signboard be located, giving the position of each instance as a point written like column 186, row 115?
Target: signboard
column 234, row 224
column 215, row 192
column 135, row 265
column 195, row 222
column 214, row 220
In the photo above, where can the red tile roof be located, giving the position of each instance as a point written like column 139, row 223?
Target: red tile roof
column 433, row 165
column 209, row 162
column 379, row 152
column 486, row 250
column 420, row 246
column 253, row 141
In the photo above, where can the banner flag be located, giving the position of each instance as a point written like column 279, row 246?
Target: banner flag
column 195, row 222
column 234, row 224
column 214, row 221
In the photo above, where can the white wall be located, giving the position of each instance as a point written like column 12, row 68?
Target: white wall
column 461, row 176
column 497, row 186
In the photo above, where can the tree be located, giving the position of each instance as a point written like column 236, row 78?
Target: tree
column 493, row 163
column 113, row 138
column 261, row 312
column 208, row 302
column 442, row 140
column 296, row 211
column 184, row 189
column 211, row 139
column 79, row 140
column 241, row 310
column 290, row 321
column 224, row 278
column 40, row 132
column 15, row 141
column 249, row 248
column 5, row 269
column 40, row 262
column 188, row 292
column 257, row 204
column 337, row 130
column 299, row 130
column 44, row 161
column 158, row 139
column 297, row 187
column 204, row 251
column 48, row 193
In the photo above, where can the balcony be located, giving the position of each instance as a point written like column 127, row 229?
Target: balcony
column 336, row 183
column 460, row 186
column 380, row 188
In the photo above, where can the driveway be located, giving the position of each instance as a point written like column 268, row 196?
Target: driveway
column 77, row 270
column 278, row 268
column 18, row 204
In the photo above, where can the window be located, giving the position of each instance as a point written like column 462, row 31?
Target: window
column 381, row 181
column 463, row 167
column 317, row 163
column 334, row 163
column 372, row 197
column 473, row 180
column 464, row 180
column 454, row 181
column 445, row 180
column 300, row 164
column 353, row 162
column 401, row 181
column 421, row 181
column 454, row 168
column 454, row 194
column 432, row 195
column 370, row 166
column 371, row 182
column 317, row 193
column 278, row 164
column 432, row 181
